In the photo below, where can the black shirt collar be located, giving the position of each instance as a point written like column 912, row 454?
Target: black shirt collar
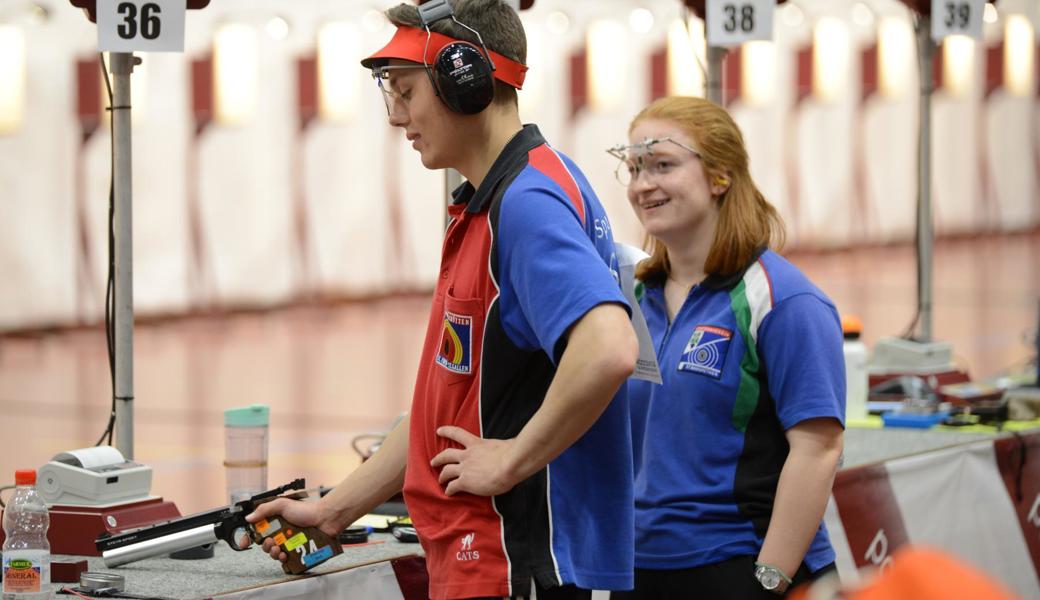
column 513, row 155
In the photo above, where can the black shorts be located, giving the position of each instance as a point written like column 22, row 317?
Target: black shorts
column 730, row 579
column 566, row 592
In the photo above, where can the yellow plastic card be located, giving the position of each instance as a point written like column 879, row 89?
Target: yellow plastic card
column 295, row 542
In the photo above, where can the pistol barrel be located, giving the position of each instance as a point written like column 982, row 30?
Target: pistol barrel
column 149, row 548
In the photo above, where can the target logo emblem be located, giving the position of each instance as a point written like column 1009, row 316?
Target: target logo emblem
column 705, row 353
column 456, row 342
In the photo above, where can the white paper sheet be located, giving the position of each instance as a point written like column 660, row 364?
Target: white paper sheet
column 91, row 458
column 646, row 366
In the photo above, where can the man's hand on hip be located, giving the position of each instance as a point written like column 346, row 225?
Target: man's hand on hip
column 480, row 467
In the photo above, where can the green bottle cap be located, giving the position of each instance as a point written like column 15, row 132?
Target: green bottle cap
column 255, row 415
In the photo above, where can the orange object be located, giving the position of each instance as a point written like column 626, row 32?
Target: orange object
column 851, row 324
column 25, row 477
column 919, row 573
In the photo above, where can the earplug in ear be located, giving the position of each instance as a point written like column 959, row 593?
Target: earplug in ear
column 720, row 180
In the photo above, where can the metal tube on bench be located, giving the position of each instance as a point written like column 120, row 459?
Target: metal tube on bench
column 182, row 540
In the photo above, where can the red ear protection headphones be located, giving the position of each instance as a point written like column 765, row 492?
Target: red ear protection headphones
column 462, row 74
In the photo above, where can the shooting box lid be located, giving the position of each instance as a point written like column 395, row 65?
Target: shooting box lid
column 255, row 415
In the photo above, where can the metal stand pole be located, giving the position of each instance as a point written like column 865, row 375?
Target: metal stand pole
column 925, row 48
column 714, row 57
column 714, row 83
column 122, row 65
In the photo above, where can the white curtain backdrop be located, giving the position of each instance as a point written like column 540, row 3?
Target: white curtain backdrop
column 372, row 216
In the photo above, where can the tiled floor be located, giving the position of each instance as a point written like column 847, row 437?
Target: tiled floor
column 330, row 374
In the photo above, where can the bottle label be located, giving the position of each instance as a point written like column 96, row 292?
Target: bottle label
column 23, row 574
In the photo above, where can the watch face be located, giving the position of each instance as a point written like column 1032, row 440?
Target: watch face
column 769, row 578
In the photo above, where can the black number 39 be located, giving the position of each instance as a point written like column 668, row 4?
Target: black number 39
column 744, row 20
column 957, row 14
column 150, row 25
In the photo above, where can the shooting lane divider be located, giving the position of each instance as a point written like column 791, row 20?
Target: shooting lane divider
column 978, row 500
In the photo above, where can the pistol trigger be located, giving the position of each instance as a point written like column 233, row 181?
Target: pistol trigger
column 239, row 539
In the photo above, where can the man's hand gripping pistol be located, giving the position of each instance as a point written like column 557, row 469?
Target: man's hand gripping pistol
column 306, row 547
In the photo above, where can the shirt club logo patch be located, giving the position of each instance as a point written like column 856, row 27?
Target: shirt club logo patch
column 467, row 552
column 705, row 353
column 456, row 341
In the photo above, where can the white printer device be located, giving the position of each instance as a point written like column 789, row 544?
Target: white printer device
column 98, row 476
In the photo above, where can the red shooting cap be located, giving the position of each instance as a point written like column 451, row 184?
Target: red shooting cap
column 409, row 43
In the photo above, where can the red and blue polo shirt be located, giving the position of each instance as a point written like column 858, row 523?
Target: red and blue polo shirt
column 525, row 256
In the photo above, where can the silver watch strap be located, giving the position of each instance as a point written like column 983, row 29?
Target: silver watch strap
column 778, row 571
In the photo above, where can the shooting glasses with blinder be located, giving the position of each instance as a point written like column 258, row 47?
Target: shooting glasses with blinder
column 633, row 159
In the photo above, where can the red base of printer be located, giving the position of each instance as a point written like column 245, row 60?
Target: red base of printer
column 74, row 529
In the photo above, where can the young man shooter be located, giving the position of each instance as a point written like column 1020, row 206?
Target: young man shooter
column 516, row 461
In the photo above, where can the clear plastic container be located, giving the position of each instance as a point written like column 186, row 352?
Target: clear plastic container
column 855, row 380
column 27, row 553
column 245, row 451
column 856, row 376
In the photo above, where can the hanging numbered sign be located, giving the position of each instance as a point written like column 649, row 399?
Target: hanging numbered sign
column 141, row 25
column 733, row 22
column 957, row 17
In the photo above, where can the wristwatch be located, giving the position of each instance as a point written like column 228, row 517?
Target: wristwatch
column 771, row 578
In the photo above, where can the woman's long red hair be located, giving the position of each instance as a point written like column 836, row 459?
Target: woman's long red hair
column 747, row 221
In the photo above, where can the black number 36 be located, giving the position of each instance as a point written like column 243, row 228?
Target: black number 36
column 150, row 25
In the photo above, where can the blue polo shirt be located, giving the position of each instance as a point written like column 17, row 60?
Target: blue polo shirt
column 745, row 359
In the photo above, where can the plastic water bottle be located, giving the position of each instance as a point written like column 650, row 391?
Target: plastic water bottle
column 245, row 451
column 855, row 370
column 27, row 553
